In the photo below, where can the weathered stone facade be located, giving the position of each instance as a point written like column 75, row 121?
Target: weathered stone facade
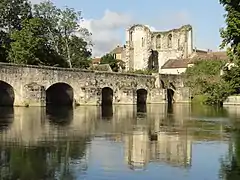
column 33, row 86
column 141, row 43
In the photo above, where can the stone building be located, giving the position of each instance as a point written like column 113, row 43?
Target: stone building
column 147, row 49
column 119, row 52
column 167, row 52
column 178, row 66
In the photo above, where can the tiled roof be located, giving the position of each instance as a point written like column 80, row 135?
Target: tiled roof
column 183, row 63
column 176, row 63
column 101, row 67
column 117, row 50
column 96, row 60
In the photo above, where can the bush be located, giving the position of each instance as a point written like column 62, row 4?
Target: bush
column 207, row 86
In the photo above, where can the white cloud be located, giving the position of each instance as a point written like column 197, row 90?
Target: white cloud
column 107, row 31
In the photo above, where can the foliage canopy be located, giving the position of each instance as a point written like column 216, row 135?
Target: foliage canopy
column 42, row 34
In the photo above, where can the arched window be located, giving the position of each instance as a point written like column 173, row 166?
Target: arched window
column 131, row 36
column 169, row 41
column 178, row 43
column 158, row 41
column 143, row 42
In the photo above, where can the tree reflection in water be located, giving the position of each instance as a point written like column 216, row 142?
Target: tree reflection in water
column 48, row 160
column 230, row 169
column 6, row 117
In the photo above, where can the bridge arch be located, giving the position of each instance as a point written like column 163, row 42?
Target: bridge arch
column 142, row 96
column 7, row 95
column 107, row 96
column 60, row 94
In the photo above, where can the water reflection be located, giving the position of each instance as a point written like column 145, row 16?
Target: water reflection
column 6, row 117
column 60, row 115
column 230, row 164
column 107, row 111
column 66, row 143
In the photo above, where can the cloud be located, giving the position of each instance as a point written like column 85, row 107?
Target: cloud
column 107, row 31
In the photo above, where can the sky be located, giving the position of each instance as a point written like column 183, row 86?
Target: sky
column 108, row 20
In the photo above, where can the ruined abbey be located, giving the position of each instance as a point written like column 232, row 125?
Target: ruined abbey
column 146, row 49
column 166, row 52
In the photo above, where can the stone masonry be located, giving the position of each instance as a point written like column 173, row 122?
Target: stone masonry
column 29, row 85
column 171, row 44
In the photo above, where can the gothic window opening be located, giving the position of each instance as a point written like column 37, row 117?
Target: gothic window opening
column 158, row 41
column 178, row 43
column 131, row 36
column 143, row 42
column 169, row 41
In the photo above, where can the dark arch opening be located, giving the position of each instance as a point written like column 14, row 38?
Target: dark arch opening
column 170, row 93
column 162, row 84
column 59, row 94
column 141, row 96
column 6, row 94
column 107, row 96
column 153, row 61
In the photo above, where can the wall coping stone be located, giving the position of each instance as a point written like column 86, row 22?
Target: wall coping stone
column 2, row 65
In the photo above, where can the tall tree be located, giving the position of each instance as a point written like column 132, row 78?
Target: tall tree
column 63, row 26
column 79, row 52
column 231, row 39
column 231, row 33
column 30, row 45
column 51, row 14
column 12, row 13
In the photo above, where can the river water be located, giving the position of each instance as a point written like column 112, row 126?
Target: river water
column 120, row 142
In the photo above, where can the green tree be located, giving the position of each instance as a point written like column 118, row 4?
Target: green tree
column 30, row 45
column 51, row 14
column 65, row 34
column 4, row 46
column 231, row 39
column 109, row 59
column 231, row 33
column 12, row 13
column 205, row 81
column 79, row 52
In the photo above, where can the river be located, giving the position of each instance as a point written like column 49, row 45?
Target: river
column 121, row 142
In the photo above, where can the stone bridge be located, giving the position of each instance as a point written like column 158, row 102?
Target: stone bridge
column 25, row 85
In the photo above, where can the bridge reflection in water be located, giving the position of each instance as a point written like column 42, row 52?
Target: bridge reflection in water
column 152, row 133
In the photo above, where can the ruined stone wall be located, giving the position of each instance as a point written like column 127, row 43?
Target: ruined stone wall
column 172, row 44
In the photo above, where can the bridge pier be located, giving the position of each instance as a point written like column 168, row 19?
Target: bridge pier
column 125, row 96
column 33, row 94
